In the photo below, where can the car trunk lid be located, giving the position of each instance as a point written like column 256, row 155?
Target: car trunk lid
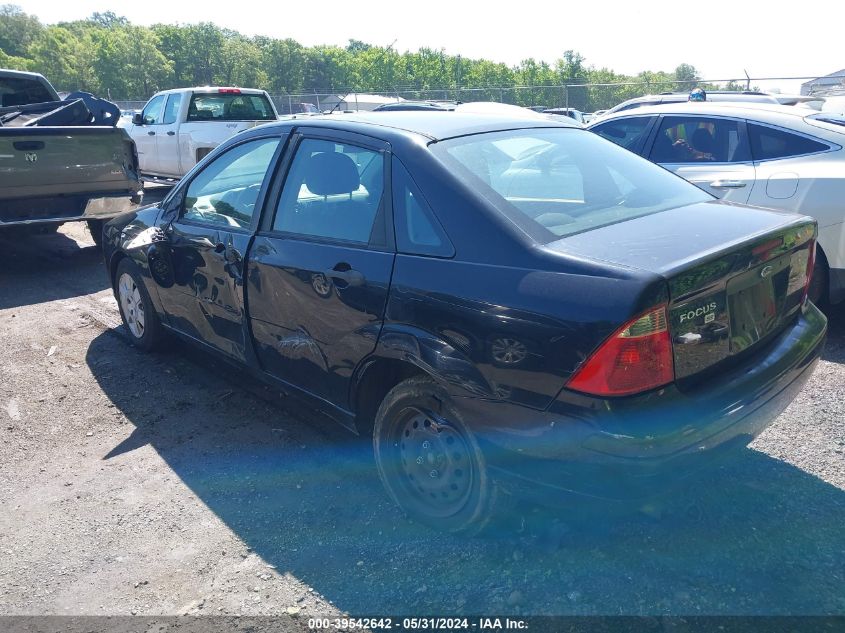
column 735, row 275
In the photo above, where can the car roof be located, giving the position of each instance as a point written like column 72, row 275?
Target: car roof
column 435, row 125
column 23, row 74
column 762, row 111
column 211, row 89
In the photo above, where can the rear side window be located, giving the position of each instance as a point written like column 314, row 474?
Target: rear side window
column 627, row 133
column 333, row 191
column 417, row 230
column 230, row 107
column 768, row 143
column 699, row 140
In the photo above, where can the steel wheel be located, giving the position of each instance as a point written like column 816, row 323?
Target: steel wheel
column 435, row 461
column 132, row 305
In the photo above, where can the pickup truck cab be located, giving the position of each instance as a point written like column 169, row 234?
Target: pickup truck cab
column 178, row 128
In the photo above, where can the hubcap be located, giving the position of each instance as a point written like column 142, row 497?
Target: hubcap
column 131, row 304
column 436, row 463
column 508, row 351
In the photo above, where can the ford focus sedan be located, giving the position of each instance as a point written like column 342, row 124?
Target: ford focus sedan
column 506, row 305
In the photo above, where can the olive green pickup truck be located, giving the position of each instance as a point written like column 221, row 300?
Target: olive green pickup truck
column 61, row 161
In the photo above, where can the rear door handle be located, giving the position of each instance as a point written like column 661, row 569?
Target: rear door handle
column 350, row 277
column 171, row 133
column 151, row 133
column 727, row 184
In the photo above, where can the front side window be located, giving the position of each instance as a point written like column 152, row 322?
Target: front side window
column 171, row 110
column 230, row 106
column 628, row 133
column 558, row 182
column 226, row 191
column 332, row 191
column 699, row 140
column 769, row 142
column 152, row 113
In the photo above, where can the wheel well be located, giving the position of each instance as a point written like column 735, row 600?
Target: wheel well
column 378, row 379
column 115, row 260
column 821, row 258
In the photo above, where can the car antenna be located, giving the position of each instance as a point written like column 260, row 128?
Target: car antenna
column 339, row 102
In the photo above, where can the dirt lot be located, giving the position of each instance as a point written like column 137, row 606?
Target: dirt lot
column 168, row 484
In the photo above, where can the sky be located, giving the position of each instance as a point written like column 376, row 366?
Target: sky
column 722, row 39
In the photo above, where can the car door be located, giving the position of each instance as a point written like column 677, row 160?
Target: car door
column 167, row 137
column 711, row 152
column 788, row 164
column 319, row 270
column 207, row 243
column 145, row 135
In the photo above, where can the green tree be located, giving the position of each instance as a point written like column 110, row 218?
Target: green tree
column 18, row 30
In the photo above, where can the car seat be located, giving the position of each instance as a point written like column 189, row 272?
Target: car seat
column 334, row 174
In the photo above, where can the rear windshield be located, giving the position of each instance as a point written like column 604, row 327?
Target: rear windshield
column 230, row 107
column 15, row 91
column 558, row 182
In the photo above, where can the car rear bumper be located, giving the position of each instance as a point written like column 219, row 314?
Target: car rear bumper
column 33, row 211
column 638, row 447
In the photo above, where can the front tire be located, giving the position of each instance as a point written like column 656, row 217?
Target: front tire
column 136, row 309
column 429, row 460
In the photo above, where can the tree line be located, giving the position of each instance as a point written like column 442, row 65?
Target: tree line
column 111, row 57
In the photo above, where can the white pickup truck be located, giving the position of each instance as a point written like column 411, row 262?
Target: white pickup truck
column 177, row 128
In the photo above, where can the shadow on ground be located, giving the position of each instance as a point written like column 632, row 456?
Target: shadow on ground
column 37, row 268
column 835, row 348
column 756, row 537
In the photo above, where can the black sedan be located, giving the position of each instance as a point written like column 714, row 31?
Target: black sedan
column 504, row 304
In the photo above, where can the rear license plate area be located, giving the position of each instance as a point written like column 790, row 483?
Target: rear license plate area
column 756, row 302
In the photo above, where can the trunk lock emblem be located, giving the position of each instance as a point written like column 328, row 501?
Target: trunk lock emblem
column 767, row 270
column 31, row 157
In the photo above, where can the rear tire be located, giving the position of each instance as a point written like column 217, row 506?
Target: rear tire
column 140, row 319
column 430, row 462
column 818, row 292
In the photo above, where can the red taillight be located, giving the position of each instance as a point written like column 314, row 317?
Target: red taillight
column 229, row 91
column 811, row 262
column 638, row 357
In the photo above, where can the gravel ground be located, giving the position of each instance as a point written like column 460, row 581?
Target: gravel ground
column 167, row 484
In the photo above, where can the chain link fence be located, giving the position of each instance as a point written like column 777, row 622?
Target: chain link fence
column 584, row 97
column 587, row 97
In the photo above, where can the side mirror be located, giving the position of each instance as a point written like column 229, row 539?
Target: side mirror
column 138, row 119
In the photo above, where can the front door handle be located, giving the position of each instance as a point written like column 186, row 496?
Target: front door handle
column 350, row 277
column 727, row 184
column 171, row 133
column 151, row 133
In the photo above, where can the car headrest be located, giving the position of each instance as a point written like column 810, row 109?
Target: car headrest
column 331, row 173
column 702, row 140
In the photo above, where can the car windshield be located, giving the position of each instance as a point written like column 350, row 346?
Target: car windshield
column 230, row 107
column 558, row 182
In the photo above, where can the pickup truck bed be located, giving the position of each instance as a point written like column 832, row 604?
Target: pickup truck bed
column 59, row 162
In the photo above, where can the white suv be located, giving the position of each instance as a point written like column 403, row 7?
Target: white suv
column 773, row 156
